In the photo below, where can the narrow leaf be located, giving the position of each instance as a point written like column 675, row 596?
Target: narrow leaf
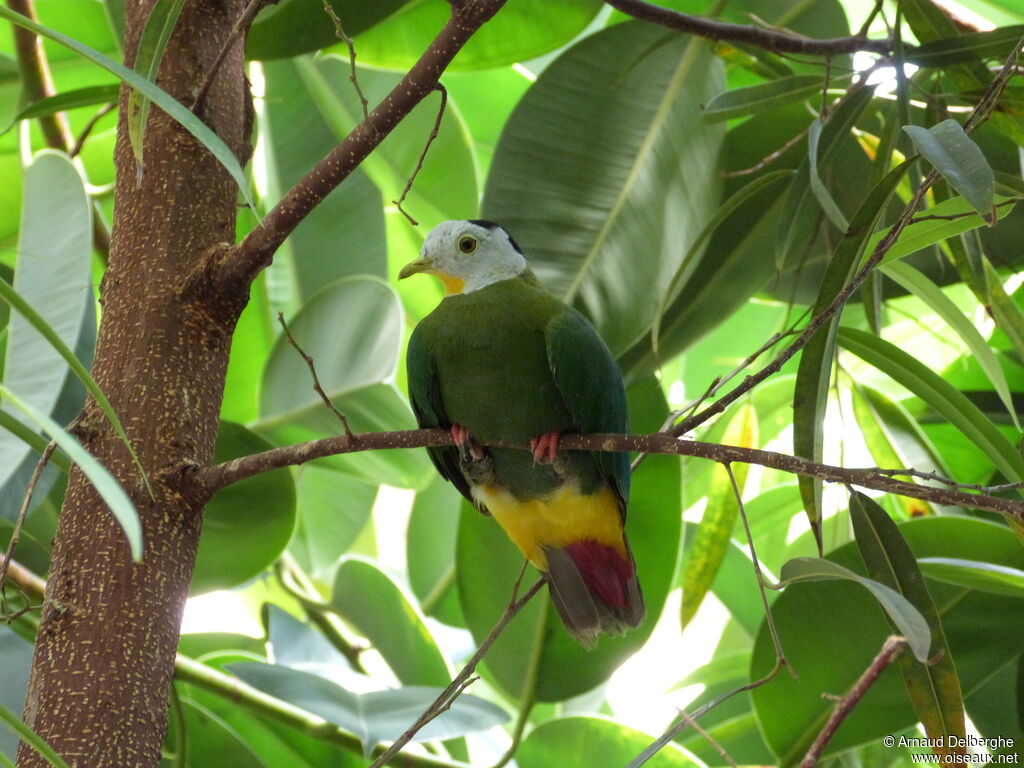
column 918, row 284
column 739, row 102
column 106, row 486
column 161, row 98
column 30, row 737
column 80, row 97
column 994, row 44
column 152, row 44
column 955, row 155
column 821, row 193
column 939, row 394
column 934, row 688
column 975, row 574
column 1007, row 313
column 907, row 618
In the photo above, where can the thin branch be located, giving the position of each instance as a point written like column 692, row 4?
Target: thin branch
column 771, row 40
column 423, row 155
column 237, row 266
column 708, row 738
column 449, row 694
column 106, row 109
column 770, row 158
column 890, row 650
column 348, row 41
column 241, row 25
column 19, row 521
column 214, row 478
column 316, row 380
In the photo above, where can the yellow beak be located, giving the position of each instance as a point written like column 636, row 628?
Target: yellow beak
column 415, row 267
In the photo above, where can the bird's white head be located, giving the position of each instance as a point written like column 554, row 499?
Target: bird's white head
column 468, row 255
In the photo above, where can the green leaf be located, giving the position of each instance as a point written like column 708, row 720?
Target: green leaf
column 293, row 27
column 960, row 161
column 818, row 188
column 61, row 102
column 355, row 363
column 104, row 483
column 918, row 284
column 523, row 30
column 947, row 219
column 1008, row 315
column 535, row 657
column 933, row 687
column 586, row 742
column 908, row 619
column 939, row 394
column 161, row 98
column 754, row 99
column 810, row 393
column 974, row 574
column 373, row 717
column 17, row 655
column 161, row 22
column 253, row 519
column 719, row 518
column 586, row 175
column 375, row 606
column 968, row 47
column 31, row 738
column 430, row 550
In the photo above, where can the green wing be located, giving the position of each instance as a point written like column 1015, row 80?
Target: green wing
column 591, row 386
column 425, row 395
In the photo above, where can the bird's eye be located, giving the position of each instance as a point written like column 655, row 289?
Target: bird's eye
column 467, row 244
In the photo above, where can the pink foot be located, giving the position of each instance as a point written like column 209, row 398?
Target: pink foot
column 545, row 447
column 465, row 443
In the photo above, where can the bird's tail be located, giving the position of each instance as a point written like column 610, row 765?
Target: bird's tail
column 594, row 589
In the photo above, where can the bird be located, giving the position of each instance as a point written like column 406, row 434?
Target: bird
column 502, row 360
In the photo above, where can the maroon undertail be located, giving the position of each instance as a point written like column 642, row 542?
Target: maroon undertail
column 604, row 570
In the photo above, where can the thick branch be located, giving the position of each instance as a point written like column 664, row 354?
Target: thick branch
column 222, row 475
column 240, row 264
column 769, row 39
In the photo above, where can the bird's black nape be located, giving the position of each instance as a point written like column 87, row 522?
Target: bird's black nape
column 495, row 225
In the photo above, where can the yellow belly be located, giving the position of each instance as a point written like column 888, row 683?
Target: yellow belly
column 556, row 520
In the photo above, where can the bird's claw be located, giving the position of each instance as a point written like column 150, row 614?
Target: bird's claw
column 545, row 448
column 469, row 448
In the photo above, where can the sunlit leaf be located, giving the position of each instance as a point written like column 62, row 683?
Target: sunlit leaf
column 974, row 574
column 61, row 102
column 961, row 162
column 584, row 742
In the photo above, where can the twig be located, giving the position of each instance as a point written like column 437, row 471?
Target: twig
column 423, row 155
column 770, row 158
column 241, row 25
column 964, row 215
column 449, row 694
column 771, row 40
column 44, row 459
column 708, row 738
column 316, row 381
column 890, row 649
column 214, row 478
column 106, row 109
column 348, row 41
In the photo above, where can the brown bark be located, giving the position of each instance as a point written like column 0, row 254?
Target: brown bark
column 109, row 630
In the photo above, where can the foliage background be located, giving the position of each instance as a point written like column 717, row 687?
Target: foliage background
column 605, row 148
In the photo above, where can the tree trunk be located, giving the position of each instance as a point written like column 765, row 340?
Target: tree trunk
column 104, row 655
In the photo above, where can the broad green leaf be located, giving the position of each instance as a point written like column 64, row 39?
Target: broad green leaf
column 253, row 519
column 430, row 551
column 923, row 288
column 947, row 219
column 158, row 96
column 739, row 102
column 974, row 574
column 586, row 742
column 80, row 97
column 370, row 601
column 589, row 172
column 933, row 687
column 342, row 236
column 939, row 394
column 981, row 630
column 522, row 30
column 535, row 656
column 960, row 161
column 295, row 643
column 719, row 518
column 818, row 188
column 355, row 361
column 995, row 44
column 810, row 393
column 250, row 346
column 292, row 27
column 372, row 717
column 17, row 655
column 106, row 486
column 908, row 619
column 159, row 25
